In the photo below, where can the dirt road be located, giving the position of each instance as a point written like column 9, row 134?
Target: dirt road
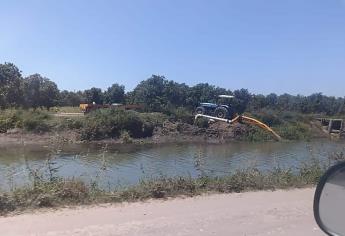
column 255, row 213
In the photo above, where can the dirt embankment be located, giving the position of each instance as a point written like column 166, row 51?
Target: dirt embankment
column 252, row 213
column 216, row 132
column 169, row 132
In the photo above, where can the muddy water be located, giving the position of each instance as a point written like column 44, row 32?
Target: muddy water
column 125, row 165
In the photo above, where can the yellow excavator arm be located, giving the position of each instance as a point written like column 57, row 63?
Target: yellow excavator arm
column 244, row 119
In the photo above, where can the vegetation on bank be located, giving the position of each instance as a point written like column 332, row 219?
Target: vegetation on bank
column 130, row 125
column 52, row 191
column 23, row 98
column 289, row 125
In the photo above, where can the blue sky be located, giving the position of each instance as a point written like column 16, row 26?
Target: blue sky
column 295, row 46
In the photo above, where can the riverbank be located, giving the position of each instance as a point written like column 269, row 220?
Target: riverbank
column 118, row 127
column 47, row 190
column 253, row 213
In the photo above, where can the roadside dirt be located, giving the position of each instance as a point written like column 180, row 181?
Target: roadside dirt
column 253, row 213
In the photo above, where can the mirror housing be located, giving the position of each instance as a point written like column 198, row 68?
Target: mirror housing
column 329, row 201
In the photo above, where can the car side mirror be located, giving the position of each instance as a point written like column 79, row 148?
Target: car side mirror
column 329, row 201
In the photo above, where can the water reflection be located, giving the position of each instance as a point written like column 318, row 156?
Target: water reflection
column 127, row 164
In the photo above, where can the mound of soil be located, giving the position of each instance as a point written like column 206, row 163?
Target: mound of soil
column 217, row 131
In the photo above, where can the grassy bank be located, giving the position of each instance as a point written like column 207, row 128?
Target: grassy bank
column 289, row 125
column 129, row 126
column 51, row 191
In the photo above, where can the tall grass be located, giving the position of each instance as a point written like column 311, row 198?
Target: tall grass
column 29, row 120
column 52, row 191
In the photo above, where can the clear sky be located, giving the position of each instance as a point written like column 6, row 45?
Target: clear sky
column 294, row 46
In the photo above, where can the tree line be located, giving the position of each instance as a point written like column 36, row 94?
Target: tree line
column 156, row 93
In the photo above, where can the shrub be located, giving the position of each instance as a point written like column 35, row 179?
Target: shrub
column 255, row 134
column 294, row 131
column 8, row 120
column 181, row 114
column 109, row 123
column 70, row 123
column 268, row 117
column 36, row 121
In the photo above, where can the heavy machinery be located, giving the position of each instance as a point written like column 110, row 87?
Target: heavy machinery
column 223, row 110
column 226, row 113
column 88, row 107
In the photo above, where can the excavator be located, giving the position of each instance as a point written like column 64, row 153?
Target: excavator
column 225, row 113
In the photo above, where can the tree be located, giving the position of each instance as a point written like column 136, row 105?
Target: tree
column 258, row 102
column 68, row 98
column 115, row 94
column 10, row 85
column 40, row 92
column 201, row 93
column 94, row 95
column 175, row 94
column 272, row 100
column 241, row 100
column 150, row 93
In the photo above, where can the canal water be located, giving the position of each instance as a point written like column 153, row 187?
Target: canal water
column 122, row 165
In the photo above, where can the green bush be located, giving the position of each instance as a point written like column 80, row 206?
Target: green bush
column 36, row 121
column 268, row 117
column 255, row 134
column 294, row 131
column 182, row 114
column 8, row 120
column 70, row 124
column 109, row 123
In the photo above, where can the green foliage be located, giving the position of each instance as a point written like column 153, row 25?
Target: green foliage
column 294, row 131
column 33, row 121
column 241, row 100
column 94, row 95
column 156, row 93
column 46, row 192
column 181, row 114
column 39, row 92
column 71, row 99
column 268, row 117
column 36, row 121
column 115, row 94
column 9, row 119
column 150, row 92
column 10, row 86
column 256, row 134
column 109, row 123
column 71, row 123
